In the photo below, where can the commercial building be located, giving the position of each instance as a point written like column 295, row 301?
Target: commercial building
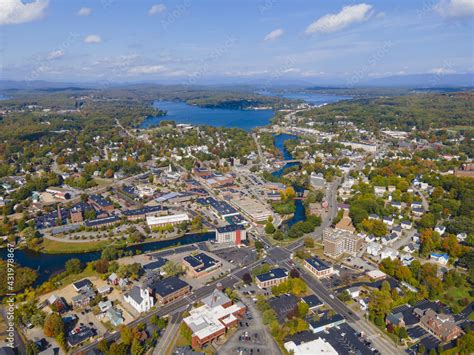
column 200, row 264
column 169, row 289
column 232, row 233
column 272, row 278
column 337, row 242
column 212, row 320
column 153, row 221
column 60, row 193
column 317, row 267
column 100, row 203
column 252, row 209
column 442, row 326
column 141, row 213
column 220, row 208
column 316, row 346
column 99, row 222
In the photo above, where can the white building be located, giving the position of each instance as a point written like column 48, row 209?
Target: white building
column 389, row 253
column 317, row 346
column 164, row 220
column 140, row 299
column 374, row 249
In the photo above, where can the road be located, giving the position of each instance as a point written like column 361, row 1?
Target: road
column 169, row 336
column 259, row 150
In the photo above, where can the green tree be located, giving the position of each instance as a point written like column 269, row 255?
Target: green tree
column 73, row 266
column 53, row 325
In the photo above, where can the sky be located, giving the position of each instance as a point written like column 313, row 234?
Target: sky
column 194, row 41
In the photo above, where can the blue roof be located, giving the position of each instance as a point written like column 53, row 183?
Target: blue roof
column 144, row 210
column 230, row 228
column 317, row 263
column 440, row 255
column 276, row 273
column 312, row 301
column 100, row 221
column 168, row 286
column 100, row 200
column 201, row 261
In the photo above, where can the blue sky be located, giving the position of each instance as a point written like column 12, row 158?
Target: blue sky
column 191, row 41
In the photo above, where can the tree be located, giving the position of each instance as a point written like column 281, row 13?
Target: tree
column 309, row 242
column 258, row 245
column 172, row 269
column 126, row 335
column 402, row 333
column 269, row 228
column 294, row 273
column 344, row 296
column 466, row 343
column 53, row 325
column 137, row 347
column 73, row 266
column 247, row 278
column 31, row 348
column 103, row 346
column 102, row 266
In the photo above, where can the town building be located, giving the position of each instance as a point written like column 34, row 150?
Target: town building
column 200, row 264
column 213, row 319
column 139, row 298
column 253, row 209
column 345, row 224
column 143, row 212
column 169, row 289
column 336, row 242
column 231, row 233
column 272, row 278
column 154, row 221
column 442, row 326
column 100, row 203
column 317, row 267
column 316, row 346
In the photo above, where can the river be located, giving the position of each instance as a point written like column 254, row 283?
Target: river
column 300, row 213
column 50, row 264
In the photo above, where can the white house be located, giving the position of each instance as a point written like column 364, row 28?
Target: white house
column 440, row 229
column 140, row 299
column 354, row 291
column 406, row 225
column 374, row 249
column 379, row 190
column 440, row 258
column 389, row 253
column 388, row 221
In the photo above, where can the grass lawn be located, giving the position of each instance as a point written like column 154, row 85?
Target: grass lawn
column 55, row 247
column 102, row 182
column 74, row 277
column 453, row 295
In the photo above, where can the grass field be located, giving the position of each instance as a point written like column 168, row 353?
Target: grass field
column 453, row 295
column 55, row 247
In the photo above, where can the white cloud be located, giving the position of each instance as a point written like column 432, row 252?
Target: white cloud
column 455, row 8
column 92, row 39
column 442, row 71
column 56, row 54
column 84, row 11
column 147, row 69
column 157, row 9
column 14, row 12
column 275, row 34
column 346, row 17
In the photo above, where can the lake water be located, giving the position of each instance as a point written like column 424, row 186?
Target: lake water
column 310, row 98
column 181, row 112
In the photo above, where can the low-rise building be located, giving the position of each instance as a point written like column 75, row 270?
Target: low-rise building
column 440, row 258
column 200, row 264
column 272, row 278
column 442, row 326
column 232, row 233
column 212, row 320
column 317, row 267
column 316, row 346
column 169, row 289
column 154, row 221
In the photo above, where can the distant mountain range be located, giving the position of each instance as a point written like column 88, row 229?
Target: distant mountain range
column 415, row 81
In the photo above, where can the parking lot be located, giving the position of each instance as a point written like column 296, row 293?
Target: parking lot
column 237, row 256
column 252, row 337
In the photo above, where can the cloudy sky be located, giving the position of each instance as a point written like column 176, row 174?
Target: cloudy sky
column 193, row 41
